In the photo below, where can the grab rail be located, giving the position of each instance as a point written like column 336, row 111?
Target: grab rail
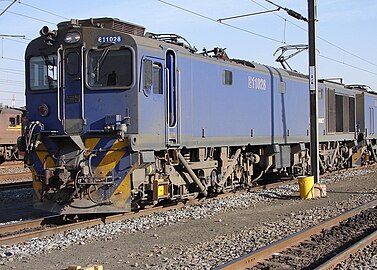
column 59, row 81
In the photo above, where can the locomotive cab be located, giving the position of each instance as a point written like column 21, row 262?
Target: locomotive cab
column 80, row 95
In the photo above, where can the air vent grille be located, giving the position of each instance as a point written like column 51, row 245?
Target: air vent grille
column 106, row 23
column 128, row 28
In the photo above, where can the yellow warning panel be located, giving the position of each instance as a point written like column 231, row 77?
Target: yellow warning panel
column 112, row 158
column 43, row 156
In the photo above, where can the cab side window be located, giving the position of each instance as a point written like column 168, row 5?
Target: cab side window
column 157, row 78
column 12, row 122
column 152, row 77
column 227, row 77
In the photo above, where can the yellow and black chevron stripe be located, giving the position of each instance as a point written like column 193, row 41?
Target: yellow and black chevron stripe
column 115, row 152
column 111, row 155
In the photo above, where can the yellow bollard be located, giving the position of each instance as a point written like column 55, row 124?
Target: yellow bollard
column 306, row 186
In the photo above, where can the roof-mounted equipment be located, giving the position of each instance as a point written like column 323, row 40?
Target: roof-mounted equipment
column 106, row 23
column 173, row 39
column 283, row 59
column 361, row 87
column 218, row 53
column 49, row 34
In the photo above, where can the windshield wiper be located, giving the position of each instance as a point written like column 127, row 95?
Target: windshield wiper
column 101, row 59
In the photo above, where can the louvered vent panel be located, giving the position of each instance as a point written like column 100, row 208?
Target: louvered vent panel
column 128, row 28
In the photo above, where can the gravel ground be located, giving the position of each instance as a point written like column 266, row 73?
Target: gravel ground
column 15, row 195
column 195, row 237
column 311, row 254
column 17, row 205
column 365, row 259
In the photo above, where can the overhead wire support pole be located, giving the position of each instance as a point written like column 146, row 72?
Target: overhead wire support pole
column 313, row 89
column 313, row 82
column 250, row 14
column 290, row 12
column 12, row 36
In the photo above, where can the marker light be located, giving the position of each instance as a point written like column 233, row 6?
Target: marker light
column 72, row 37
column 43, row 110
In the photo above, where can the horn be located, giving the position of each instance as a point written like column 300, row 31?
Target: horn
column 44, row 31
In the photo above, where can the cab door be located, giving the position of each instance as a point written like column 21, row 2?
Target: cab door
column 73, row 92
column 151, row 100
column 371, row 121
column 172, row 99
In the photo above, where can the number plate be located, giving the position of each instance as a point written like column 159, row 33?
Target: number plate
column 109, row 39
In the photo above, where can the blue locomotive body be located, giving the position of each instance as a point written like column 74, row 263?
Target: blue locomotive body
column 118, row 119
column 223, row 103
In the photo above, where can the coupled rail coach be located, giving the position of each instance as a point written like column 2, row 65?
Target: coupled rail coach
column 119, row 118
column 10, row 130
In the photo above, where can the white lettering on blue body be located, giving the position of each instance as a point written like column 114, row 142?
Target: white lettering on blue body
column 111, row 39
column 256, row 83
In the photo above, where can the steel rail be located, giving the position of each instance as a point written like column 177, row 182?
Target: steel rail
column 23, row 237
column 34, row 224
column 10, row 164
column 259, row 255
column 345, row 254
column 16, row 175
column 22, row 225
column 16, row 185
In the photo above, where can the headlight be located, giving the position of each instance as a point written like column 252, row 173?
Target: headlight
column 43, row 110
column 72, row 37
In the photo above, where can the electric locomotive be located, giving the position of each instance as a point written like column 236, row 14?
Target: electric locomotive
column 118, row 119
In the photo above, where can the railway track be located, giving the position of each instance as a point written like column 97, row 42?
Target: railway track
column 16, row 185
column 12, row 164
column 319, row 247
column 19, row 232
column 14, row 176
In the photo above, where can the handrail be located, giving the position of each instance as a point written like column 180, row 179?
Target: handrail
column 82, row 84
column 63, row 92
column 58, row 88
column 178, row 115
column 167, row 96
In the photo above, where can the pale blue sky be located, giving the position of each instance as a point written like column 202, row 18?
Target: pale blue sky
column 349, row 25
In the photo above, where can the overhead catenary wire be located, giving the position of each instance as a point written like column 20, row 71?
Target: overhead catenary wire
column 319, row 37
column 213, row 20
column 8, row 7
column 216, row 21
column 11, row 59
column 11, row 99
column 10, row 69
column 15, row 40
column 11, row 82
column 43, row 10
column 12, row 92
column 29, row 17
column 263, row 36
column 346, row 64
column 290, row 12
column 13, row 72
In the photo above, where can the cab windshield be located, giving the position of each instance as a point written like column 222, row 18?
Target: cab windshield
column 109, row 68
column 43, row 72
